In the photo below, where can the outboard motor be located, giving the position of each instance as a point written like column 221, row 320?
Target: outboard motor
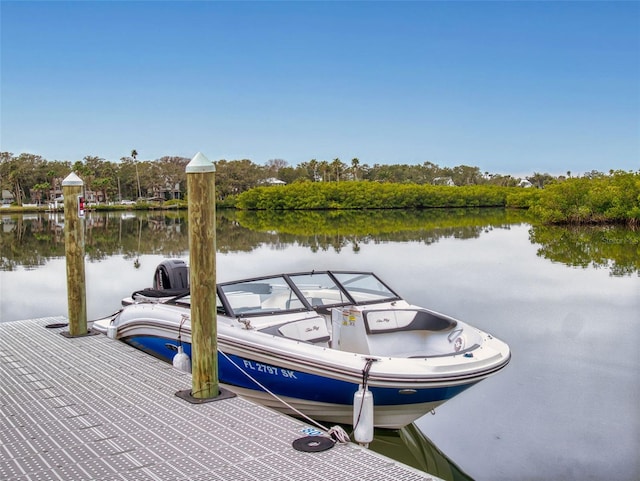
column 171, row 274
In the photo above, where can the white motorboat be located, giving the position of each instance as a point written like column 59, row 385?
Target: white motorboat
column 311, row 339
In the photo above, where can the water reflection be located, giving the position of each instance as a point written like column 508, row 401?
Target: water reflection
column 573, row 330
column 410, row 446
column 322, row 230
column 32, row 240
column 612, row 247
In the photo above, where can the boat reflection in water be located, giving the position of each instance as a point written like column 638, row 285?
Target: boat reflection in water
column 410, row 446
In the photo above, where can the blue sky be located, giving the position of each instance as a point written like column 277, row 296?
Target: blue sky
column 509, row 87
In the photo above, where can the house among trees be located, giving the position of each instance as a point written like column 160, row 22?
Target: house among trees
column 272, row 181
column 444, row 181
column 7, row 197
column 93, row 197
column 55, row 192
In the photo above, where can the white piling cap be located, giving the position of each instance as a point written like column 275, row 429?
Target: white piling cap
column 72, row 179
column 200, row 163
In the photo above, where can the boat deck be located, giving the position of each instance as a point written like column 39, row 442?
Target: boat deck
column 92, row 408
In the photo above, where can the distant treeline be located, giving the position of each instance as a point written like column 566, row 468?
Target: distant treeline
column 612, row 198
column 31, row 179
column 593, row 198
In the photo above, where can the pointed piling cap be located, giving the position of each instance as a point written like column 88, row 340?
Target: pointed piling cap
column 200, row 163
column 72, row 179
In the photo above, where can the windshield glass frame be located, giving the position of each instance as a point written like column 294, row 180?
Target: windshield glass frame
column 365, row 287
column 301, row 291
column 260, row 296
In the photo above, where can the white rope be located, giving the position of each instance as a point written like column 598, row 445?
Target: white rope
column 336, row 432
column 339, row 434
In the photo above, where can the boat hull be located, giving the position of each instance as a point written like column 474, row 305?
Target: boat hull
column 321, row 396
column 386, row 417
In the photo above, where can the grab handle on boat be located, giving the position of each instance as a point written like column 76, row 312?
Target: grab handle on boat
column 454, row 334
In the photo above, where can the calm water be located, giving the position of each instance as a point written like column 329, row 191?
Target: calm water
column 566, row 300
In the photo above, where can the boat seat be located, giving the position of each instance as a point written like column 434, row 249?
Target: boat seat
column 410, row 344
column 281, row 301
column 393, row 332
column 244, row 302
column 381, row 321
column 313, row 330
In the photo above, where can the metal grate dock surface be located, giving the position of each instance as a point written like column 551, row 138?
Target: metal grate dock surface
column 91, row 408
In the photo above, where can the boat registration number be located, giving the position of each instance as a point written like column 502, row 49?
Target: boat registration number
column 273, row 370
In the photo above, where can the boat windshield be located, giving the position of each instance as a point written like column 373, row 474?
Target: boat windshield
column 364, row 287
column 321, row 288
column 261, row 296
column 300, row 292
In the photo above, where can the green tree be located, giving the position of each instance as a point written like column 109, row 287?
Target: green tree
column 313, row 170
column 466, row 175
column 540, row 180
column 148, row 178
column 355, row 163
column 126, row 173
column 134, row 156
column 337, row 167
column 40, row 190
column 236, row 176
column 99, row 176
column 19, row 174
column 274, row 166
column 172, row 169
column 325, row 171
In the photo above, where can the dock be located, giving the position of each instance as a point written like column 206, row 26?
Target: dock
column 91, row 408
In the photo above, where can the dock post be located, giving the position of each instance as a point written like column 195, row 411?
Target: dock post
column 72, row 187
column 202, row 276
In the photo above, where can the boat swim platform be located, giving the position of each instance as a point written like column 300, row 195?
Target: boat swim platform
column 89, row 408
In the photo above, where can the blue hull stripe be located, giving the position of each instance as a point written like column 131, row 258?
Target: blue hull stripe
column 295, row 384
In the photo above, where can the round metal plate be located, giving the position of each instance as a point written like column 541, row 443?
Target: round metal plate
column 313, row 444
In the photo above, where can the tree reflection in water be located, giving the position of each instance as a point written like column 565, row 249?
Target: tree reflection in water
column 31, row 240
column 601, row 247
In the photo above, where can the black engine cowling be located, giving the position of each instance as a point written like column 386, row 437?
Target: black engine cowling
column 171, row 274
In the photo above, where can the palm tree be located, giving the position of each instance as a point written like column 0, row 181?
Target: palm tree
column 313, row 165
column 337, row 166
column 134, row 155
column 324, row 168
column 355, row 162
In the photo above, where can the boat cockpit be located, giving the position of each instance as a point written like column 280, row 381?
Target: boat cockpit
column 345, row 310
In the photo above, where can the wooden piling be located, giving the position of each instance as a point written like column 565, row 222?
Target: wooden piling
column 72, row 190
column 202, row 278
